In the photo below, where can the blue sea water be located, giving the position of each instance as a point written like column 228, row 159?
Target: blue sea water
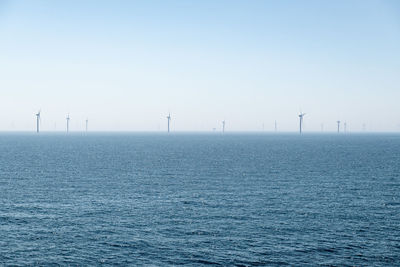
column 234, row 199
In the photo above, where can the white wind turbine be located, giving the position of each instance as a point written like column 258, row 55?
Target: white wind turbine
column 301, row 116
column 68, row 118
column 37, row 121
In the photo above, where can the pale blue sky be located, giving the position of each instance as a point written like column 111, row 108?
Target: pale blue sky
column 125, row 64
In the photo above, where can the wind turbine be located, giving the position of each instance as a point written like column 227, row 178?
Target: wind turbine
column 169, row 119
column 223, row 126
column 68, row 123
column 87, row 122
column 338, row 126
column 276, row 127
column 301, row 115
column 37, row 121
column 345, row 127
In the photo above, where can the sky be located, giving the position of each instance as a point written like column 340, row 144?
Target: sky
column 125, row 65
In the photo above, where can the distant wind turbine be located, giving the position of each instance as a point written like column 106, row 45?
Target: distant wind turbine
column 87, row 122
column 37, row 121
column 68, row 118
column 276, row 127
column 223, row 126
column 301, row 116
column 338, row 126
column 169, row 119
column 345, row 127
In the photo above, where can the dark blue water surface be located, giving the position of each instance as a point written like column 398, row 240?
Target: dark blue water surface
column 199, row 199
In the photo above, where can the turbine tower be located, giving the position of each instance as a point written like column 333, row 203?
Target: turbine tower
column 301, row 115
column 345, row 127
column 169, row 119
column 276, row 127
column 338, row 126
column 37, row 121
column 87, row 122
column 68, row 123
column 223, row 126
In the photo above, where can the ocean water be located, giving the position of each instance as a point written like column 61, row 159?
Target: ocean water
column 197, row 199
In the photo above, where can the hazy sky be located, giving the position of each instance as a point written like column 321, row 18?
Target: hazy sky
column 126, row 64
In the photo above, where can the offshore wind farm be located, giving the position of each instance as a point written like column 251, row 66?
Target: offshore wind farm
column 223, row 133
column 168, row 125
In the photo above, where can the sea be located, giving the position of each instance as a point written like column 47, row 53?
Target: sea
column 194, row 199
